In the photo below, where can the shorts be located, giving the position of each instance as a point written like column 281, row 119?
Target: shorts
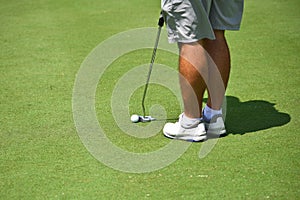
column 192, row 20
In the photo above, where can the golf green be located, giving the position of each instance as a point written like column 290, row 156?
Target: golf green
column 44, row 155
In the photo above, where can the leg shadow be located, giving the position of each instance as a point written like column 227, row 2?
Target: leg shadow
column 251, row 116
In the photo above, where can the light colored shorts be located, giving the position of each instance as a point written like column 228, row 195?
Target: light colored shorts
column 192, row 20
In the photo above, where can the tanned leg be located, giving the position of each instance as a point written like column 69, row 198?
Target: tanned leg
column 193, row 73
column 219, row 52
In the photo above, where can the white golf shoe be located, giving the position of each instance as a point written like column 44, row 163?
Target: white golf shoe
column 193, row 133
column 215, row 127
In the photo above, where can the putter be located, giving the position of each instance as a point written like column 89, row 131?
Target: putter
column 145, row 118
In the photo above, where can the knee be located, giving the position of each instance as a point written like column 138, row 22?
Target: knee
column 220, row 37
column 219, row 42
column 186, row 48
column 219, row 34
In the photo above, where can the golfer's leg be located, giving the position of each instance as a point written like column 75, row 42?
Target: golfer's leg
column 193, row 72
column 219, row 52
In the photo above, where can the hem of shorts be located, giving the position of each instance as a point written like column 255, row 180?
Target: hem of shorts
column 172, row 40
column 226, row 28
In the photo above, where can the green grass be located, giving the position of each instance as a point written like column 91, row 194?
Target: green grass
column 43, row 44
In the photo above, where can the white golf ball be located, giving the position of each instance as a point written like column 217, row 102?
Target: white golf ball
column 134, row 118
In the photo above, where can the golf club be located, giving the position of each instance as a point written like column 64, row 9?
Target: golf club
column 145, row 118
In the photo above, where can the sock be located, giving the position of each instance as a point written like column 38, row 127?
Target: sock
column 189, row 122
column 209, row 113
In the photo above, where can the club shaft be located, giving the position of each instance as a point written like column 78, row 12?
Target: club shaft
column 150, row 70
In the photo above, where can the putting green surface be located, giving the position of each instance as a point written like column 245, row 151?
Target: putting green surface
column 43, row 155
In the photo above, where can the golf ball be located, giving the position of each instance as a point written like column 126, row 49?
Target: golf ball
column 134, row 118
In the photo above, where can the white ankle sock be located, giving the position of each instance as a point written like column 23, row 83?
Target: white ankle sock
column 209, row 113
column 189, row 122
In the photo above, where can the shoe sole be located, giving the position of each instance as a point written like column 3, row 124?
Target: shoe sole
column 216, row 134
column 187, row 138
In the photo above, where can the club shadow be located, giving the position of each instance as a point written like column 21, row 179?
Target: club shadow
column 167, row 119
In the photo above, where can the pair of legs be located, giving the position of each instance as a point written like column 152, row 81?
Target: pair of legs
column 204, row 65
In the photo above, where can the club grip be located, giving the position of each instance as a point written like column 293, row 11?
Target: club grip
column 161, row 20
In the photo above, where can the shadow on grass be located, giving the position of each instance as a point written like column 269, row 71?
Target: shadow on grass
column 251, row 116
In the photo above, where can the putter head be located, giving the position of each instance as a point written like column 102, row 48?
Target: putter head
column 146, row 119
